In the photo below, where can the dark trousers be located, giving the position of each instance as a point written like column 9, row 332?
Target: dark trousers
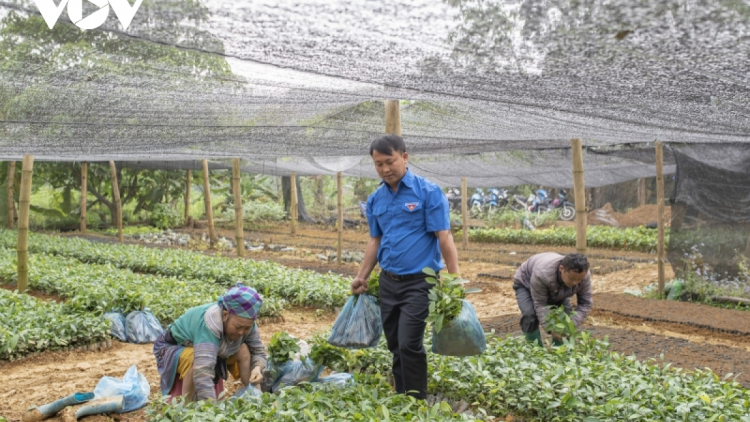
column 529, row 320
column 404, row 306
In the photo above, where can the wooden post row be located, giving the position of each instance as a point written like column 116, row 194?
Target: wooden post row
column 293, row 206
column 84, row 193
column 340, row 202
column 11, row 193
column 465, row 211
column 24, row 200
column 660, row 215
column 579, row 189
column 118, row 203
column 237, row 192
column 207, row 202
column 188, row 185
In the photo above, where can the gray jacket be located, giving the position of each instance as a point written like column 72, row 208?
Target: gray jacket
column 539, row 274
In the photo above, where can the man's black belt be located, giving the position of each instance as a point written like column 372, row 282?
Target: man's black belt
column 405, row 277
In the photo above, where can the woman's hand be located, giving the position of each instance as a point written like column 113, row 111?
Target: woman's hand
column 256, row 375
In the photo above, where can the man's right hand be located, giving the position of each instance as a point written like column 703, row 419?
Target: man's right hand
column 359, row 285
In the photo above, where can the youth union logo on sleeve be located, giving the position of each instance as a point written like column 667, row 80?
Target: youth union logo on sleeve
column 411, row 205
column 124, row 11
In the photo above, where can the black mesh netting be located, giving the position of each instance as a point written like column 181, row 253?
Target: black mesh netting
column 710, row 230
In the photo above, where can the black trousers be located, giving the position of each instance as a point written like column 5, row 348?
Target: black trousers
column 529, row 320
column 404, row 306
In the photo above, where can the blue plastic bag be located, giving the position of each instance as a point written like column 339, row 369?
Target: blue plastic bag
column 142, row 327
column 340, row 380
column 117, row 321
column 247, row 391
column 133, row 386
column 295, row 372
column 463, row 336
column 358, row 326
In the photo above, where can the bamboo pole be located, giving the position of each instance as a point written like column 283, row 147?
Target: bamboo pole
column 188, row 185
column 393, row 117
column 207, row 202
column 24, row 200
column 11, row 193
column 84, row 193
column 641, row 192
column 237, row 192
column 293, row 207
column 465, row 211
column 116, row 196
column 339, row 190
column 660, row 214
column 579, row 189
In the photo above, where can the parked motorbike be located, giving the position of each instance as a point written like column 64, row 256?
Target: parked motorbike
column 454, row 199
column 567, row 209
column 498, row 198
column 541, row 203
column 476, row 202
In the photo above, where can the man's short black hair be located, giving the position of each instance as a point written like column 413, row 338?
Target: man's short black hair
column 387, row 144
column 575, row 262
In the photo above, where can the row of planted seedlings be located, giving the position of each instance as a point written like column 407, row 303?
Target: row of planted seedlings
column 299, row 287
column 582, row 380
column 635, row 239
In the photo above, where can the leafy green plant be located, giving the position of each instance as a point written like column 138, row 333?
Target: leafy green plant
column 323, row 353
column 255, row 211
column 446, row 298
column 282, row 347
column 373, row 285
column 164, row 216
column 558, row 321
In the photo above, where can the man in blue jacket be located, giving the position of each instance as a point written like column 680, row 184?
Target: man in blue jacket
column 409, row 230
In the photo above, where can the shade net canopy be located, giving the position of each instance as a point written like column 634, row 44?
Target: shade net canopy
column 264, row 80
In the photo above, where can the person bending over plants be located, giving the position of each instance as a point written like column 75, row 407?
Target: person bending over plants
column 550, row 279
column 196, row 352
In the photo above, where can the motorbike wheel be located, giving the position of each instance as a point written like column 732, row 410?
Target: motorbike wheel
column 567, row 213
column 538, row 218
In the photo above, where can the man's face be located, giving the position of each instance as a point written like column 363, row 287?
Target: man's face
column 571, row 278
column 390, row 168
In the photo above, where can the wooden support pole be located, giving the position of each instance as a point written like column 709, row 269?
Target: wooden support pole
column 660, row 214
column 237, row 192
column 24, row 200
column 84, row 193
column 465, row 211
column 188, row 185
column 207, row 202
column 116, row 197
column 579, row 189
column 393, row 117
column 293, row 207
column 340, row 193
column 641, row 192
column 11, row 194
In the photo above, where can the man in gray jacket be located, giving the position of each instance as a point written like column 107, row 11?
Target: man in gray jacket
column 551, row 279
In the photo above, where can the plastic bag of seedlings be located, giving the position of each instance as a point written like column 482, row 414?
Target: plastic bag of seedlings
column 247, row 391
column 339, row 380
column 133, row 386
column 358, row 326
column 117, row 329
column 463, row 336
column 142, row 327
column 296, row 372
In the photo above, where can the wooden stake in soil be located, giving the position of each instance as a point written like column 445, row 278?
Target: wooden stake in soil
column 579, row 190
column 339, row 189
column 188, row 185
column 207, row 201
column 238, row 232
column 24, row 200
column 84, row 192
column 393, row 117
column 293, row 206
column 11, row 193
column 660, row 214
column 641, row 192
column 465, row 211
column 116, row 197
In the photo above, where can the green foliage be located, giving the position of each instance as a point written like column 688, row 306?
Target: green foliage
column 133, row 230
column 282, row 348
column 446, row 298
column 637, row 239
column 373, row 285
column 558, row 321
column 164, row 216
column 369, row 399
column 302, row 288
column 323, row 353
column 29, row 325
column 256, row 211
column 99, row 288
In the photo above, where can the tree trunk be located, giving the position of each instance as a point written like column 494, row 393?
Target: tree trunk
column 286, row 187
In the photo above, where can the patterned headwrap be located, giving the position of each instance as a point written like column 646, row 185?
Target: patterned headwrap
column 242, row 301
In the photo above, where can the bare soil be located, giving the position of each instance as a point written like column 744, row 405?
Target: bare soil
column 640, row 216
